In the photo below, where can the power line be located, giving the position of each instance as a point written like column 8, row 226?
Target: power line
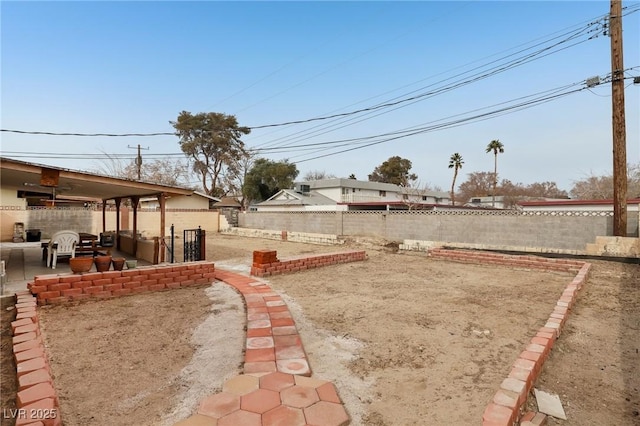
column 439, row 90
column 456, row 120
column 114, row 135
column 393, row 102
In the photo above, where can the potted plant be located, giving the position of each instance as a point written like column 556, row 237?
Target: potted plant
column 131, row 264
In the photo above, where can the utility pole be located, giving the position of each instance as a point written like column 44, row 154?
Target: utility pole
column 618, row 122
column 138, row 159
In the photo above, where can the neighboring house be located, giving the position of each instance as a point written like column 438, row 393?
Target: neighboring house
column 487, row 202
column 195, row 201
column 350, row 194
column 228, row 203
column 288, row 200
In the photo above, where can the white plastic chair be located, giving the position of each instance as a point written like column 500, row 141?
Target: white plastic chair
column 62, row 243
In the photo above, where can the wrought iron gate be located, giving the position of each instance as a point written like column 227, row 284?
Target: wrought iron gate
column 194, row 246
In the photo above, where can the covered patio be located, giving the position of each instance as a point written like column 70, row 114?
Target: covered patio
column 23, row 261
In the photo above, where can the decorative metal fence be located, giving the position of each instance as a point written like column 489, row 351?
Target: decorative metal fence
column 194, row 244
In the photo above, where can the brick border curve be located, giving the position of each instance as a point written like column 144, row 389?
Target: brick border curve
column 507, row 406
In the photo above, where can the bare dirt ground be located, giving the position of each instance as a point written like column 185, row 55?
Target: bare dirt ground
column 407, row 340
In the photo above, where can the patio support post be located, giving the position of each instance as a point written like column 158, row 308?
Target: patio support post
column 118, row 201
column 104, row 215
column 134, row 202
column 162, row 202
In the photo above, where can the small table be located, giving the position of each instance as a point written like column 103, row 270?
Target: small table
column 86, row 245
column 87, row 240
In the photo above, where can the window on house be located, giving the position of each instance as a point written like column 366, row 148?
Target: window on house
column 383, row 193
column 424, row 198
column 475, row 200
column 353, row 190
column 405, row 196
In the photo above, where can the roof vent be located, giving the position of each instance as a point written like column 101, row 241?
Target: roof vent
column 305, row 188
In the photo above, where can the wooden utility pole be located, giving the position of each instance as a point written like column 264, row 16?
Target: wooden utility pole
column 618, row 122
column 138, row 160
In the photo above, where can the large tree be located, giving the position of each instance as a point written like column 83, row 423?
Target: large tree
column 267, row 177
column 235, row 181
column 455, row 163
column 395, row 170
column 212, row 143
column 496, row 147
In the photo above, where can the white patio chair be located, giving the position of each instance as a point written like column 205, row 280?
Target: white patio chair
column 62, row 243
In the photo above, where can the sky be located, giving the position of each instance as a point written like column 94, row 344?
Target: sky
column 361, row 80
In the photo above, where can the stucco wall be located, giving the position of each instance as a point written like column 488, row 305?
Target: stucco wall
column 50, row 220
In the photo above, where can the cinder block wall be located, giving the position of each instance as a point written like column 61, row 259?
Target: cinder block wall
column 498, row 229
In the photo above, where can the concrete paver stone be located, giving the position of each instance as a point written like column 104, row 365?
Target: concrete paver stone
column 241, row 385
column 326, row 414
column 260, row 401
column 219, row 405
column 550, row 404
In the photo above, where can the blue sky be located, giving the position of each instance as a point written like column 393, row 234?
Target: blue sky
column 131, row 67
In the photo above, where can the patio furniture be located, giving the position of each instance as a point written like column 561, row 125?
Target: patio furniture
column 62, row 243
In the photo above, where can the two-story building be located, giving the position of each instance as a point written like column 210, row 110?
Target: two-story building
column 350, row 194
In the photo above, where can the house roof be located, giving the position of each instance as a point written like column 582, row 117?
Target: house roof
column 43, row 178
column 350, row 183
column 289, row 197
column 228, row 202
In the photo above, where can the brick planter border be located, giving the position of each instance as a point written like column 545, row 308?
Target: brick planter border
column 507, row 406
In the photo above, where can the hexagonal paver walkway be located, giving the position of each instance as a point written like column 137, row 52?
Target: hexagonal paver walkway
column 275, row 389
column 271, row 399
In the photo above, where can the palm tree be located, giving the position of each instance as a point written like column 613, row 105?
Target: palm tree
column 455, row 163
column 497, row 147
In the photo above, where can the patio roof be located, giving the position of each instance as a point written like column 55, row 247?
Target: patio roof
column 42, row 178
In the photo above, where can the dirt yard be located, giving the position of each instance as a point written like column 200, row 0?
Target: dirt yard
column 407, row 340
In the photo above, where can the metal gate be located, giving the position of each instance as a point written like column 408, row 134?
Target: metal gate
column 194, row 244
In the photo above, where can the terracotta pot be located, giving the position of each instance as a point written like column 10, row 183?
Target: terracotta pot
column 118, row 263
column 80, row 264
column 103, row 263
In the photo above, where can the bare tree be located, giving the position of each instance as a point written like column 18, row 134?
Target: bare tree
column 595, row 187
column 162, row 171
column 318, row 175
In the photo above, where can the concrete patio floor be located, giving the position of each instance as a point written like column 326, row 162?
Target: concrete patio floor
column 23, row 262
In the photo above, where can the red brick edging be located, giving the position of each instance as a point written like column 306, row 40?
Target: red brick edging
column 266, row 263
column 62, row 288
column 37, row 401
column 507, row 406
